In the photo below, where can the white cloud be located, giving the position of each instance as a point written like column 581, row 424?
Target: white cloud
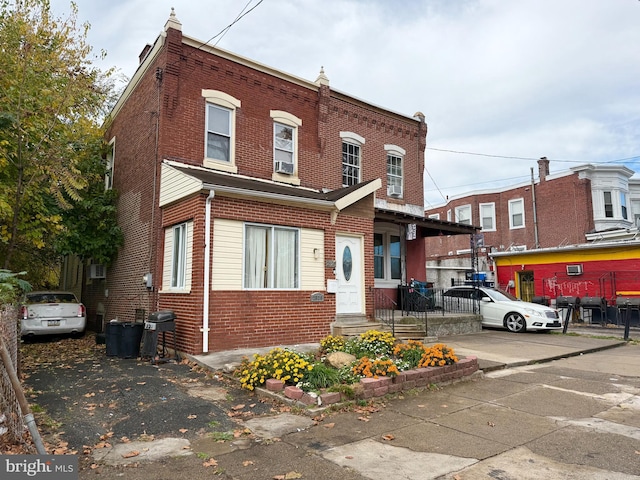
column 526, row 78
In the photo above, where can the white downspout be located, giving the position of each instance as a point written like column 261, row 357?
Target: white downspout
column 207, row 264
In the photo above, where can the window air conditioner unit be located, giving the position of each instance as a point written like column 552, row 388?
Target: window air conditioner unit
column 97, row 271
column 394, row 190
column 574, row 269
column 284, row 167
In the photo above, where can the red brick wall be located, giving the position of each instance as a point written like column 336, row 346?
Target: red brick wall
column 244, row 319
column 167, row 104
column 563, row 208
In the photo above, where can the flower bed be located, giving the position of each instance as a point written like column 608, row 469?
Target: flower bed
column 376, row 365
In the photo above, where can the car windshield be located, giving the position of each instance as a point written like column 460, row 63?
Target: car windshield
column 51, row 298
column 500, row 296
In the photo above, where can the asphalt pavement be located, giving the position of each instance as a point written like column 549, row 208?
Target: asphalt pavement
column 546, row 406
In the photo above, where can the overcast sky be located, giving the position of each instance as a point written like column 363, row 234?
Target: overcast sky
column 494, row 78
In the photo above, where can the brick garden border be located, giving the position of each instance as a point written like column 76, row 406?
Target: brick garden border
column 378, row 387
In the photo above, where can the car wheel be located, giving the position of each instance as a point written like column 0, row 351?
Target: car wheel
column 515, row 323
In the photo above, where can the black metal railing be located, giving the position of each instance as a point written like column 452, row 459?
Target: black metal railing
column 384, row 309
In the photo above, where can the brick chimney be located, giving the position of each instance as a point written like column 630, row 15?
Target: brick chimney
column 144, row 52
column 543, row 168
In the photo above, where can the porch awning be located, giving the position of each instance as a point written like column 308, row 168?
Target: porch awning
column 427, row 227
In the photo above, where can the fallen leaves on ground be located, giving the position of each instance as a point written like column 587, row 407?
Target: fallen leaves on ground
column 288, row 476
column 210, row 463
column 388, row 437
column 131, row 454
column 247, row 463
column 329, row 425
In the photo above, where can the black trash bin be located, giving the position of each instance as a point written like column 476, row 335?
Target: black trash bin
column 131, row 335
column 123, row 339
column 112, row 338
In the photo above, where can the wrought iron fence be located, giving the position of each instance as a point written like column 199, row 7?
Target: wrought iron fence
column 12, row 423
column 384, row 309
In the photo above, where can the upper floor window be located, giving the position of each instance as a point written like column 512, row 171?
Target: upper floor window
column 435, row 216
column 271, row 257
column 108, row 176
column 449, row 215
column 285, row 146
column 463, row 214
column 218, row 133
column 395, row 156
column 623, row 205
column 516, row 213
column 220, row 121
column 351, row 158
column 608, row 205
column 488, row 216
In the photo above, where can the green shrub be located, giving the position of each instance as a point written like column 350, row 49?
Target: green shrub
column 320, row 376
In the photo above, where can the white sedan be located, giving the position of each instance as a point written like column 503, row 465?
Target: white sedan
column 501, row 309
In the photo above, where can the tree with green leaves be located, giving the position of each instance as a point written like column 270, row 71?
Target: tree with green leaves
column 52, row 101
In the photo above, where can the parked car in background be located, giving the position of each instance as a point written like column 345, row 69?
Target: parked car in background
column 51, row 312
column 501, row 309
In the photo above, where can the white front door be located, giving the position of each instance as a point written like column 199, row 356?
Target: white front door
column 349, row 273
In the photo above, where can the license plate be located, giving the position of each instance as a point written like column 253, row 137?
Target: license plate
column 53, row 323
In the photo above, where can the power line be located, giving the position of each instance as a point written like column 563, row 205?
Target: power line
column 434, row 183
column 224, row 31
column 636, row 157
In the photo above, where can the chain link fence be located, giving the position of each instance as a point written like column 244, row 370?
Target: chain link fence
column 12, row 420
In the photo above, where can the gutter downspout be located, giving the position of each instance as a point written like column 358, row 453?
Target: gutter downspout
column 207, row 264
column 535, row 215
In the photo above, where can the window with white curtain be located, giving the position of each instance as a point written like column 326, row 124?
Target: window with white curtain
column 463, row 214
column 271, row 258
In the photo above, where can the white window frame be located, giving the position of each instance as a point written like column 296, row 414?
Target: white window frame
column 354, row 140
column 218, row 99
column 395, row 168
column 449, row 215
column 624, row 211
column 462, row 212
column 179, row 256
column 291, row 121
column 387, row 235
column 110, row 162
column 435, row 216
column 178, row 253
column 271, row 258
column 516, row 207
column 608, row 193
column 492, row 215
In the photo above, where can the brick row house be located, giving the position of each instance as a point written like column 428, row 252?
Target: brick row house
column 573, row 233
column 260, row 207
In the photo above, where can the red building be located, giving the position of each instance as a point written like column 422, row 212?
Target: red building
column 260, row 207
column 570, row 234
